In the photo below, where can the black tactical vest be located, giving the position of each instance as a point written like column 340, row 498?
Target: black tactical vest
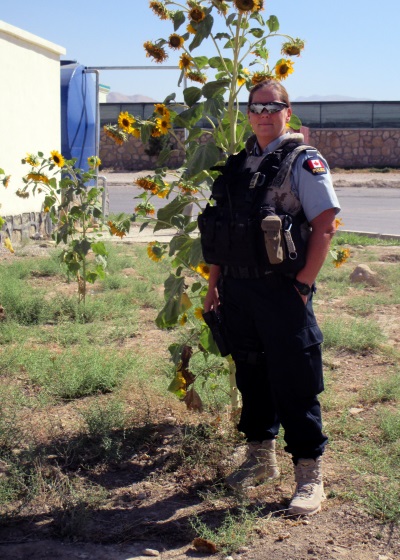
column 233, row 229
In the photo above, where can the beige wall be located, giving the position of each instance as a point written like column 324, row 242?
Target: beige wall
column 29, row 108
column 350, row 148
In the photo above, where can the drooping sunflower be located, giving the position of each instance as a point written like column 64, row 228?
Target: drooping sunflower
column 163, row 125
column 115, row 230
column 190, row 29
column 147, row 184
column 37, row 178
column 293, row 48
column 155, row 251
column 94, row 161
column 125, row 121
column 196, row 13
column 259, row 77
column 145, row 209
column 160, row 109
column 158, row 53
column 196, row 76
column 245, row 6
column 175, row 41
column 187, row 188
column 221, row 6
column 340, row 257
column 160, row 10
column 8, row 245
column 283, row 68
column 242, row 77
column 185, row 62
column 6, row 181
column 32, row 159
column 57, row 158
column 116, row 134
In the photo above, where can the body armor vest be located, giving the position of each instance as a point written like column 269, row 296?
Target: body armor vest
column 256, row 221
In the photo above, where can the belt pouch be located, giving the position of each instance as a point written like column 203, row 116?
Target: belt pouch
column 272, row 228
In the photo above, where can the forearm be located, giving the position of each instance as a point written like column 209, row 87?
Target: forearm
column 212, row 298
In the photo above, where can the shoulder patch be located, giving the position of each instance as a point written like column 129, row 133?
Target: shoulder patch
column 315, row 166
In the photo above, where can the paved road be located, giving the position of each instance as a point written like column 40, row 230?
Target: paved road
column 364, row 209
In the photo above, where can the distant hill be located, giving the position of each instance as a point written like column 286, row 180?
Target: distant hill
column 115, row 97
column 329, row 98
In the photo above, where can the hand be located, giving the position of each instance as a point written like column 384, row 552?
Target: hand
column 304, row 298
column 211, row 300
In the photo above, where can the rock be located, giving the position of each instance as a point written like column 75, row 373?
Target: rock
column 354, row 411
column 363, row 274
column 150, row 552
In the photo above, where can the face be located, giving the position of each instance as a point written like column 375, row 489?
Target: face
column 267, row 126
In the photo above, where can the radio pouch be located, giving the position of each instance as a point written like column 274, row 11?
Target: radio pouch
column 272, row 228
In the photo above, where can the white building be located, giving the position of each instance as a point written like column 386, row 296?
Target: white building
column 30, row 115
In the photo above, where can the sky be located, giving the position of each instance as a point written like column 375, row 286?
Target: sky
column 350, row 44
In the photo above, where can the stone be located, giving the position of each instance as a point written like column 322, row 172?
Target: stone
column 363, row 274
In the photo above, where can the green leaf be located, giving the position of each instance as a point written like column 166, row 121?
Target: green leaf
column 190, row 117
column 257, row 32
column 203, row 30
column 169, row 98
column 201, row 61
column 82, row 247
column 173, row 208
column 99, row 248
column 194, row 133
column 173, row 292
column 294, row 122
column 222, row 36
column 273, row 24
column 145, row 132
column 164, row 155
column 215, row 107
column 2, row 172
column 178, row 18
column 222, row 65
column 207, row 341
column 257, row 16
column 215, row 88
column 196, row 255
column 230, row 19
column 196, row 286
column 175, row 349
column 191, row 95
column 191, row 226
column 204, row 157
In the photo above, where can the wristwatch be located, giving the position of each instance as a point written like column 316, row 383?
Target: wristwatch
column 304, row 289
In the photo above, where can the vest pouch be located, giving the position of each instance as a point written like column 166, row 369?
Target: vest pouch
column 272, row 228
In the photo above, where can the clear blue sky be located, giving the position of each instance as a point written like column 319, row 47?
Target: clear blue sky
column 350, row 44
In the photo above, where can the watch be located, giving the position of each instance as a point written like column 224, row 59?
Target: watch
column 304, row 289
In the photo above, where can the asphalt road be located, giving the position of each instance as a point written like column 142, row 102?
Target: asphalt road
column 364, row 209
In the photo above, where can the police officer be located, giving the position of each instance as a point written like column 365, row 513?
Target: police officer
column 272, row 329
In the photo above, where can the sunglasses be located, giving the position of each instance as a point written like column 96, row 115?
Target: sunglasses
column 273, row 107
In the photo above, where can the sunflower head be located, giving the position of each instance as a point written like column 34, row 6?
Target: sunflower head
column 198, row 313
column 147, row 184
column 160, row 10
column 196, row 13
column 259, row 77
column 245, row 6
column 156, row 52
column 163, row 125
column 221, row 6
column 155, row 251
column 204, row 270
column 183, row 319
column 94, row 161
column 283, row 68
column 145, row 209
column 32, row 159
column 116, row 230
column 293, row 48
column 175, row 41
column 185, row 62
column 161, row 110
column 196, row 76
column 191, row 29
column 338, row 222
column 6, row 180
column 340, row 256
column 37, row 178
column 57, row 159
column 242, row 77
column 125, row 121
column 115, row 133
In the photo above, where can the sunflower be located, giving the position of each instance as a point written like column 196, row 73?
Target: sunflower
column 32, row 159
column 204, row 270
column 145, row 209
column 190, row 29
column 119, row 136
column 135, row 132
column 338, row 222
column 163, row 125
column 6, row 181
column 187, row 188
column 185, row 62
column 175, row 41
column 21, row 193
column 242, row 77
column 196, row 14
column 160, row 10
column 155, row 251
column 198, row 313
column 221, row 6
column 57, row 158
column 158, row 53
column 37, row 178
column 125, row 121
column 283, row 68
column 147, row 184
column 340, row 256
column 94, row 161
column 115, row 230
column 196, row 76
column 293, row 48
column 160, row 109
column 259, row 77
column 156, row 132
column 8, row 245
column 183, row 319
column 248, row 5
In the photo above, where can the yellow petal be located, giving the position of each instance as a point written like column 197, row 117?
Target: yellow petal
column 8, row 245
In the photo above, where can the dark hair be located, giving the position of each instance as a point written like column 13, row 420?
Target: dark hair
column 283, row 94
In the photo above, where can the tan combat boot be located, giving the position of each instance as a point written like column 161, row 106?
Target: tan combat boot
column 310, row 489
column 260, row 464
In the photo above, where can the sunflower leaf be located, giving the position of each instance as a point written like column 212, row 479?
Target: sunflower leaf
column 173, row 208
column 295, row 122
column 215, row 88
column 257, row 32
column 215, row 106
column 204, row 157
column 191, row 95
column 190, row 117
column 203, row 30
column 178, row 18
column 173, row 291
column 200, row 61
column 222, row 36
column 273, row 24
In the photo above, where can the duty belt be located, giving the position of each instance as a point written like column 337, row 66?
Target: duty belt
column 245, row 272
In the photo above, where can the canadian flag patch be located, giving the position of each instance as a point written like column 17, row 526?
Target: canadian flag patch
column 315, row 166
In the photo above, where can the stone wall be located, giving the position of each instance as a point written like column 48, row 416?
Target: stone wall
column 348, row 148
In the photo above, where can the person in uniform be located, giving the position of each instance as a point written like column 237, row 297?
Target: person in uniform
column 266, row 309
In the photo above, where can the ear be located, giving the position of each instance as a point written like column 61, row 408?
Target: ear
column 289, row 114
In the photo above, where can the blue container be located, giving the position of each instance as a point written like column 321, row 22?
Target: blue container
column 78, row 113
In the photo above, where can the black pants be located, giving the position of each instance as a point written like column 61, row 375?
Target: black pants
column 276, row 346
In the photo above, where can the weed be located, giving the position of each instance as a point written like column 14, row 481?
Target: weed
column 351, row 334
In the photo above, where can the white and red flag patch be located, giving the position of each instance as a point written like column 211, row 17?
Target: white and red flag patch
column 315, row 166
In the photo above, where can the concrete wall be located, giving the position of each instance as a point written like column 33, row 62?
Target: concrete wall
column 350, row 148
column 29, row 111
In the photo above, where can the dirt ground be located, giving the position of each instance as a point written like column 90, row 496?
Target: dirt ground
column 148, row 508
